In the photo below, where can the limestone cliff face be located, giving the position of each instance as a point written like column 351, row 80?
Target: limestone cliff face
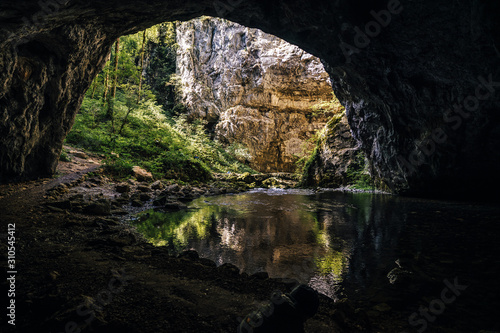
column 254, row 88
column 275, row 139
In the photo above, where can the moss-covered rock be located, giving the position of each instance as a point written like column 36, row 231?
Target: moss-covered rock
column 337, row 160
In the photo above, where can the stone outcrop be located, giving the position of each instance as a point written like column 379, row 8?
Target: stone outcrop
column 398, row 68
column 275, row 139
column 252, row 88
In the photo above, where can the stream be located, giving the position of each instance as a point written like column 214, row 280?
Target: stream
column 380, row 251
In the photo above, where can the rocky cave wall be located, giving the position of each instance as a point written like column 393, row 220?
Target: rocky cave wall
column 253, row 88
column 418, row 78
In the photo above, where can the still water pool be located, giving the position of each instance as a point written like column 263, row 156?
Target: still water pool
column 343, row 243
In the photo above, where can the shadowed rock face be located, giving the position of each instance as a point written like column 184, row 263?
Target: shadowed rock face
column 397, row 80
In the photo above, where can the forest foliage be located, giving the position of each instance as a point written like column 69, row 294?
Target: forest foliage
column 131, row 115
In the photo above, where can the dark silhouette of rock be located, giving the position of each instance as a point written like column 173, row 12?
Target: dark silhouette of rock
column 285, row 313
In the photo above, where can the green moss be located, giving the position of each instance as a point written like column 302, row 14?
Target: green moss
column 357, row 175
column 333, row 122
column 64, row 157
column 118, row 168
column 308, row 163
column 307, row 178
column 328, row 107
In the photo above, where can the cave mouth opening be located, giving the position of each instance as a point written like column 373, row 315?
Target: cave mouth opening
column 263, row 101
column 255, row 90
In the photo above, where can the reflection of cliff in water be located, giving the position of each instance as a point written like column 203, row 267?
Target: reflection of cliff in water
column 319, row 239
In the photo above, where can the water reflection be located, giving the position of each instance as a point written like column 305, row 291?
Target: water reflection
column 321, row 239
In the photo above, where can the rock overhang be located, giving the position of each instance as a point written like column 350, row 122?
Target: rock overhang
column 397, row 85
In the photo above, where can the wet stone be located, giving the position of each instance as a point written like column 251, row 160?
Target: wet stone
column 382, row 307
column 122, row 188
column 124, row 196
column 160, row 201
column 119, row 211
column 98, row 208
column 143, row 188
column 122, row 240
column 157, row 185
column 229, row 269
column 55, row 209
column 104, row 221
column 144, row 197
column 207, row 262
column 260, row 276
column 66, row 204
column 189, row 254
column 172, row 188
column 136, row 203
column 175, row 206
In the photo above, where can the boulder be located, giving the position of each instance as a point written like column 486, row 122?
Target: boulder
column 122, row 188
column 229, row 269
column 141, row 174
column 102, row 207
column 157, row 185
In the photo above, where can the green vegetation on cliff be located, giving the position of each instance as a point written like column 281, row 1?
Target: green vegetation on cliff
column 308, row 163
column 333, row 162
column 121, row 119
column 358, row 175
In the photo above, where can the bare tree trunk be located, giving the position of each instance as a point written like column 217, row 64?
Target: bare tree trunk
column 125, row 120
column 106, row 79
column 109, row 111
column 94, row 85
column 117, row 52
column 141, row 66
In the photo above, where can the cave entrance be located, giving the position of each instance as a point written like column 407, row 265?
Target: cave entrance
column 228, row 98
column 263, row 97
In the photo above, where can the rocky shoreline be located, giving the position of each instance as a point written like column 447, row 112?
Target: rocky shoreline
column 73, row 242
column 96, row 194
column 76, row 238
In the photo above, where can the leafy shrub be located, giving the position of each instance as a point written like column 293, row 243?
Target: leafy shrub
column 118, row 168
column 185, row 168
column 64, row 157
